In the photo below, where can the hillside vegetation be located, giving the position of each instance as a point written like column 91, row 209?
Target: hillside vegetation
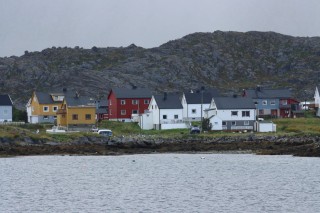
column 229, row 61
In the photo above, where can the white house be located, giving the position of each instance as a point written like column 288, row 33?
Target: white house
column 231, row 113
column 195, row 103
column 164, row 112
column 5, row 108
column 317, row 97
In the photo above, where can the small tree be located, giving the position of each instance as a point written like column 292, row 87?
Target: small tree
column 19, row 115
column 206, row 125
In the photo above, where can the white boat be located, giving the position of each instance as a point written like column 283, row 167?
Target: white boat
column 59, row 130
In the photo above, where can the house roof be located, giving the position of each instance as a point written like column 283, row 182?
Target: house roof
column 5, row 100
column 46, row 98
column 132, row 93
column 234, row 103
column 268, row 93
column 79, row 101
column 195, row 97
column 168, row 101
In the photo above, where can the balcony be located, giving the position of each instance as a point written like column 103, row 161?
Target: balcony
column 62, row 111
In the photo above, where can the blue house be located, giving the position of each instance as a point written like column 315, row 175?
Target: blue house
column 5, row 108
column 272, row 102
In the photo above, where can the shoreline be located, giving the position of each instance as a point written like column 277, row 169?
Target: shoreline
column 303, row 146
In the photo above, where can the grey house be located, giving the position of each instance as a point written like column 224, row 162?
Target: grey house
column 5, row 108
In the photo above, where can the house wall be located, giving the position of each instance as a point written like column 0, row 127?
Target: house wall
column 316, row 98
column 115, row 107
column 81, row 112
column 197, row 114
column 226, row 115
column 5, row 113
column 37, row 109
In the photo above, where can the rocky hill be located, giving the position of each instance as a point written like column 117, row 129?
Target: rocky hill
column 229, row 61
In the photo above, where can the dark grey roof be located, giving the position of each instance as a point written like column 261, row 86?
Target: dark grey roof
column 79, row 101
column 132, row 93
column 5, row 100
column 268, row 93
column 45, row 98
column 195, row 98
column 168, row 101
column 234, row 103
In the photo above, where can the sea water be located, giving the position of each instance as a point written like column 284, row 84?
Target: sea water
column 160, row 183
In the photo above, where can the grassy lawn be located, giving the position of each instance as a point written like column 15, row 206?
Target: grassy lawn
column 296, row 126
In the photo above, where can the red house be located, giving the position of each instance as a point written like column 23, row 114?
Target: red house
column 123, row 102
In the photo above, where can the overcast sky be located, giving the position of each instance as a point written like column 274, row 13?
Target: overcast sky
column 34, row 25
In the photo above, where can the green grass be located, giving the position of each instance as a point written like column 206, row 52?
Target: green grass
column 286, row 126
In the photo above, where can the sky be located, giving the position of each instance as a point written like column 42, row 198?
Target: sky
column 34, row 25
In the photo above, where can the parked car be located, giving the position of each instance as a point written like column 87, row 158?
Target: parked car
column 105, row 132
column 195, row 130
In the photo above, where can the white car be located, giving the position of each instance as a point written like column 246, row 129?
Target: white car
column 105, row 132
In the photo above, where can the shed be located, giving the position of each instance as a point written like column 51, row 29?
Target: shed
column 266, row 126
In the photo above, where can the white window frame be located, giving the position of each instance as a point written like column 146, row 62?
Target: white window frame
column 135, row 102
column 234, row 112
column 194, row 111
column 45, row 107
column 123, row 102
column 264, row 102
column 45, row 117
column 245, row 114
column 246, row 123
column 146, row 102
column 134, row 111
column 176, row 116
column 53, row 108
column 164, row 117
column 123, row 112
column 233, row 123
column 273, row 102
column 224, row 123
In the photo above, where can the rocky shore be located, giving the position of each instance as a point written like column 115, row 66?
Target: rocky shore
column 305, row 145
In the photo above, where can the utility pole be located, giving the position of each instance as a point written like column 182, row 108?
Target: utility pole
column 202, row 90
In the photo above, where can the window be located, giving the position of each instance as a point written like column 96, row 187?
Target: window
column 284, row 102
column 234, row 113
column 176, row 116
column 110, row 103
column 134, row 111
column 123, row 102
column 261, row 112
column 264, row 102
column 246, row 123
column 88, row 116
column 146, row 102
column 110, row 111
column 273, row 102
column 224, row 123
column 215, row 123
column 45, row 117
column 123, row 112
column 193, row 111
column 245, row 113
column 233, row 123
column 135, row 102
column 46, row 109
column 55, row 117
column 164, row 116
column 55, row 108
column 75, row 117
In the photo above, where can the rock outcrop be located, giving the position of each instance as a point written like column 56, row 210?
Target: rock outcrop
column 229, row 61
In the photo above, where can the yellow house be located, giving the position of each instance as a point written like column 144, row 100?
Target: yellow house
column 77, row 113
column 42, row 107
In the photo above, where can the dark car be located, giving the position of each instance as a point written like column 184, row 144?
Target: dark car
column 195, row 130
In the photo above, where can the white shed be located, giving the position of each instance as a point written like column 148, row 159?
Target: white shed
column 266, row 126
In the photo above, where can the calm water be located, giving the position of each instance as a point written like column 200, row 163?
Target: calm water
column 160, row 183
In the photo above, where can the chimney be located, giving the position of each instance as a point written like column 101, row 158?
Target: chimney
column 165, row 96
column 258, row 88
column 134, row 87
column 244, row 93
column 64, row 90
